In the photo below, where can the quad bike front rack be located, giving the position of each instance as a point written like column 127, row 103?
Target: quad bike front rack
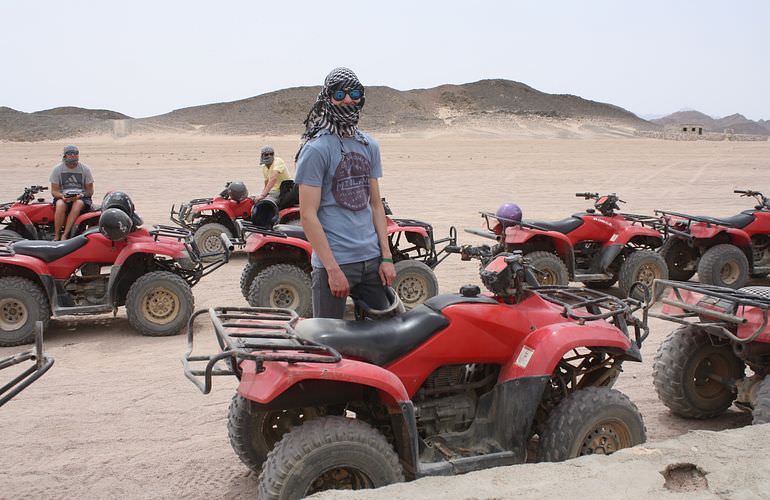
column 258, row 334
column 41, row 364
column 185, row 211
column 192, row 276
column 728, row 298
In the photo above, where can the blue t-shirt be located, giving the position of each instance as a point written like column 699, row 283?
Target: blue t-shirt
column 344, row 210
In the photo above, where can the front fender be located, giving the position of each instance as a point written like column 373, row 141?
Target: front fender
column 278, row 377
column 19, row 215
column 257, row 241
column 542, row 349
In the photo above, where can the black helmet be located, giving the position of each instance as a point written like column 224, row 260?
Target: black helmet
column 264, row 214
column 115, row 224
column 237, row 191
column 394, row 308
column 121, row 201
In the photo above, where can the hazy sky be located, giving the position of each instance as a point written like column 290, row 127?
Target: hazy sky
column 145, row 58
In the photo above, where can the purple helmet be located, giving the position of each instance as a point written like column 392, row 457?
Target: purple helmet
column 507, row 213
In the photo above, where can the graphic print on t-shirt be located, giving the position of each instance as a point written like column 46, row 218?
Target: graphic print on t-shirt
column 71, row 180
column 350, row 184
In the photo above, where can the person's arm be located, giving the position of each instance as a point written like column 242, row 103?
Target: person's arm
column 89, row 190
column 56, row 191
column 269, row 185
column 387, row 269
column 309, row 201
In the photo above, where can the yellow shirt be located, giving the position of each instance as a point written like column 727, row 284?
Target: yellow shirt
column 283, row 174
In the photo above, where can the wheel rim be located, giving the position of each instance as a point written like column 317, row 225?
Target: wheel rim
column 160, row 306
column 412, row 290
column 708, row 375
column 284, row 296
column 548, row 277
column 729, row 272
column 608, row 436
column 278, row 423
column 340, row 478
column 212, row 243
column 647, row 274
column 13, row 314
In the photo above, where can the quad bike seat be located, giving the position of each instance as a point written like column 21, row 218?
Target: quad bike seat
column 49, row 251
column 563, row 226
column 739, row 221
column 377, row 342
column 291, row 230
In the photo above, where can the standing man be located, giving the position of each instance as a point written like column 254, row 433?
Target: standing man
column 338, row 168
column 72, row 187
column 274, row 171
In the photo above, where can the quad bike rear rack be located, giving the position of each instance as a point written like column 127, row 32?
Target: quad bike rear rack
column 585, row 304
column 258, row 334
column 694, row 314
column 41, row 364
column 667, row 226
column 643, row 220
column 425, row 254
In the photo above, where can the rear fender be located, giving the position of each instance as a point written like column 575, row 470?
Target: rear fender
column 258, row 242
column 543, row 348
column 278, row 378
column 147, row 245
column 19, row 215
column 703, row 231
column 23, row 262
column 521, row 236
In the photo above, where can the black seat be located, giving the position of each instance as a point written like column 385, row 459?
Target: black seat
column 563, row 226
column 378, row 342
column 739, row 221
column 439, row 302
column 291, row 230
column 49, row 251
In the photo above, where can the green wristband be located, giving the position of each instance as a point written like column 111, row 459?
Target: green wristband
column 385, row 259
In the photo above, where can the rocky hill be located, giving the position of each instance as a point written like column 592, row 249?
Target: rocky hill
column 493, row 102
column 737, row 122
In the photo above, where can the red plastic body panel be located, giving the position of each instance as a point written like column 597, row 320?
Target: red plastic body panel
column 256, row 242
column 761, row 224
column 233, row 209
column 395, row 228
column 140, row 241
column 33, row 264
column 703, row 231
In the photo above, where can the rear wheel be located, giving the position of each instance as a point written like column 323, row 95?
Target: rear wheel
column 601, row 285
column 22, row 304
column 254, row 433
column 724, row 265
column 552, row 269
column 678, row 256
column 693, row 376
column 328, row 453
column 159, row 304
column 250, row 271
column 591, row 421
column 645, row 266
column 282, row 285
column 415, row 283
column 762, row 403
column 207, row 239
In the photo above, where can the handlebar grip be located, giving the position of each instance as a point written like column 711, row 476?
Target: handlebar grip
column 582, row 195
column 740, row 191
column 452, row 249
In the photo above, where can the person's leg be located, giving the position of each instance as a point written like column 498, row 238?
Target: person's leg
column 60, row 212
column 325, row 305
column 77, row 206
column 370, row 288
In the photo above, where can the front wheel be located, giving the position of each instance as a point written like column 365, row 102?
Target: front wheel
column 591, row 421
column 552, row 270
column 208, row 239
column 724, row 265
column 159, row 304
column 328, row 453
column 283, row 285
column 693, row 376
column 645, row 266
column 22, row 304
column 415, row 283
column 680, row 259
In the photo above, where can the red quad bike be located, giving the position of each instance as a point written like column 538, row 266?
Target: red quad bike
column 30, row 218
column 597, row 249
column 207, row 218
column 40, row 364
column 461, row 382
column 724, row 251
column 700, row 369
column 278, row 271
column 150, row 272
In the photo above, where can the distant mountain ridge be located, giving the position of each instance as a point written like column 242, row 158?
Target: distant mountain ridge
column 737, row 122
column 495, row 102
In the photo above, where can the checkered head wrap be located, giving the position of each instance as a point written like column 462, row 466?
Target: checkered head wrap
column 340, row 120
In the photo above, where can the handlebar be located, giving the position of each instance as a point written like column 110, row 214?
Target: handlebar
column 588, row 195
column 763, row 200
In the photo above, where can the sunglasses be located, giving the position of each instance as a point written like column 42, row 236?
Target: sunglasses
column 355, row 94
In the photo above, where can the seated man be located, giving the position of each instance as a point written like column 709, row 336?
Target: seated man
column 274, row 171
column 72, row 187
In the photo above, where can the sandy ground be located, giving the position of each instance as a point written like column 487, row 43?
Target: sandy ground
column 116, row 417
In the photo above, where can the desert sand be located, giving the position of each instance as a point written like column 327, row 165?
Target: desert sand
column 115, row 416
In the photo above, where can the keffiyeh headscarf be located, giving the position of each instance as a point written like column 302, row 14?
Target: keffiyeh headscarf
column 341, row 120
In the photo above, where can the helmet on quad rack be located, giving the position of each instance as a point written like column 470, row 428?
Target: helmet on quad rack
column 115, row 224
column 121, row 201
column 237, row 191
column 394, row 308
column 508, row 213
column 264, row 214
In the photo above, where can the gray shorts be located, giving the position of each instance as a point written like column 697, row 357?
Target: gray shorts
column 365, row 284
